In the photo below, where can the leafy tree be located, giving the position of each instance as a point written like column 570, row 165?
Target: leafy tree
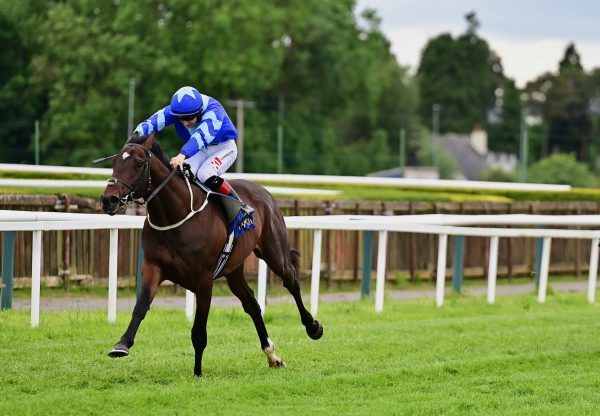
column 561, row 168
column 504, row 132
column 21, row 103
column 336, row 78
column 564, row 102
column 447, row 166
column 571, row 60
column 593, row 88
column 565, row 108
column 85, row 66
column 461, row 75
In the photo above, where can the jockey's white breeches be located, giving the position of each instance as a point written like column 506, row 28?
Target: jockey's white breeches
column 213, row 160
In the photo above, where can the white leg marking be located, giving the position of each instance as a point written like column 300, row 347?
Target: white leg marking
column 273, row 359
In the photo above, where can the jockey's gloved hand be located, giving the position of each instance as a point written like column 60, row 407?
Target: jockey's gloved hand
column 177, row 161
column 187, row 172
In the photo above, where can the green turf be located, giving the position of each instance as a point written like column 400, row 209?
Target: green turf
column 514, row 357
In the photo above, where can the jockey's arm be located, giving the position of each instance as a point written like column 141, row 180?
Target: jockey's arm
column 155, row 123
column 205, row 133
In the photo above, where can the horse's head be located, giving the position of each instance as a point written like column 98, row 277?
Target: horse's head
column 131, row 175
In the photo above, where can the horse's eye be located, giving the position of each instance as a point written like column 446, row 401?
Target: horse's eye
column 139, row 164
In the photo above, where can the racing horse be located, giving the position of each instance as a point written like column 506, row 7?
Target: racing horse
column 182, row 239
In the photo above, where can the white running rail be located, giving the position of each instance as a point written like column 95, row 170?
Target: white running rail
column 38, row 222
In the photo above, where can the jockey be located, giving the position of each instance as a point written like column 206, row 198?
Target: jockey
column 210, row 137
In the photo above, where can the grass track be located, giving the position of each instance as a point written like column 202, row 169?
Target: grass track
column 515, row 357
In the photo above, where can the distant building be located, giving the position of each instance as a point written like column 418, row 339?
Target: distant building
column 470, row 152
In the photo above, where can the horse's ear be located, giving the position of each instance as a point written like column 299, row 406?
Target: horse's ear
column 149, row 141
column 134, row 138
column 137, row 139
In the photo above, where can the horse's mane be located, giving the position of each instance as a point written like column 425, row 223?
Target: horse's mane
column 155, row 149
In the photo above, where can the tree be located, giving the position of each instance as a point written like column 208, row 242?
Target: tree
column 85, row 65
column 336, row 78
column 21, row 103
column 566, row 108
column 466, row 78
column 460, row 74
column 563, row 101
column 593, row 87
column 505, row 118
column 561, row 168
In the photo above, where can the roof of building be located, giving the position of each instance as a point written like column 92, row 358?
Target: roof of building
column 470, row 162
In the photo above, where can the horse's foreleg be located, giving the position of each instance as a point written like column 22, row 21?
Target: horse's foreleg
column 150, row 282
column 199, row 336
column 238, row 285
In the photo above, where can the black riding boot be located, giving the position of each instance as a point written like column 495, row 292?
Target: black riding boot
column 232, row 206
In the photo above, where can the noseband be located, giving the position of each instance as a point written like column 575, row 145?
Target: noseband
column 131, row 196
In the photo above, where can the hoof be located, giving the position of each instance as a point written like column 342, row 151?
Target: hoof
column 273, row 359
column 118, row 351
column 315, row 331
column 278, row 363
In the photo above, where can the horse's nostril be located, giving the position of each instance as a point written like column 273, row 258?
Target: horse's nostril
column 110, row 203
column 110, row 199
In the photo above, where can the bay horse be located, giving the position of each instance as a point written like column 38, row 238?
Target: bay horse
column 182, row 239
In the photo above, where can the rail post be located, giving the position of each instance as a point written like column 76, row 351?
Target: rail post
column 441, row 270
column 8, row 266
column 36, row 271
column 544, row 267
column 316, row 272
column 365, row 284
column 457, row 264
column 190, row 298
column 381, row 257
column 261, row 285
column 492, row 270
column 593, row 276
column 538, row 258
column 112, row 275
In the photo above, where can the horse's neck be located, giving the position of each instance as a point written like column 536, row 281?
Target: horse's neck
column 172, row 202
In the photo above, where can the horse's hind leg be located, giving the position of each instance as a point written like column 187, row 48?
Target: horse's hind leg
column 150, row 282
column 238, row 285
column 285, row 265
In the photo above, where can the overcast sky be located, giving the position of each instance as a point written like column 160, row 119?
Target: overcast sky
column 530, row 36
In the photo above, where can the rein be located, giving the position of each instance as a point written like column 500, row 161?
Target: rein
column 189, row 215
column 159, row 187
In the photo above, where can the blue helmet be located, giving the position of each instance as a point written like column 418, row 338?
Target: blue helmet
column 186, row 101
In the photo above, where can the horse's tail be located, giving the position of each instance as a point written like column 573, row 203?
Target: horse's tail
column 295, row 259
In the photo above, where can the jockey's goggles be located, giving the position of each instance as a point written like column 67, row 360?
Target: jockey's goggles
column 188, row 117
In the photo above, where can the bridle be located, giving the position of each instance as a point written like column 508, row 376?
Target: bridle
column 131, row 196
